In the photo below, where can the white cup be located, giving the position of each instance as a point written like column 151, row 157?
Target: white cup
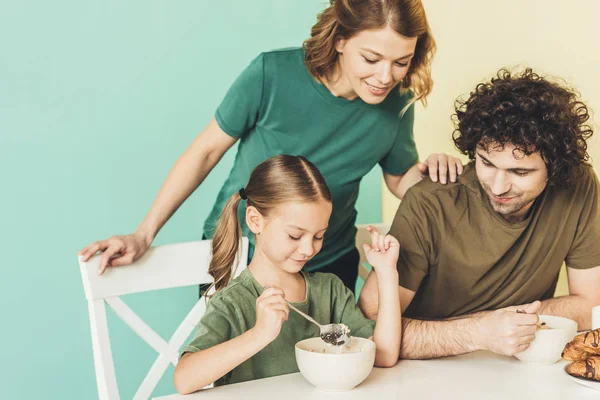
column 596, row 317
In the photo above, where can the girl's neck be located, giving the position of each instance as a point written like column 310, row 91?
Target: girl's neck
column 268, row 274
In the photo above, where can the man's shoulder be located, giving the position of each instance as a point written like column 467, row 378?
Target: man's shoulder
column 430, row 192
column 583, row 185
column 586, row 177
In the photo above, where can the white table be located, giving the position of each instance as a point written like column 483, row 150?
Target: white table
column 480, row 375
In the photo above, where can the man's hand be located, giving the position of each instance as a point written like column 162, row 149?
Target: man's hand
column 508, row 330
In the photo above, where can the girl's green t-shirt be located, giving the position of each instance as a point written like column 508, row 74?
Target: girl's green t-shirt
column 232, row 311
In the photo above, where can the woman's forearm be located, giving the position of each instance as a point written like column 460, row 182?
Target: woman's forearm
column 187, row 174
column 399, row 184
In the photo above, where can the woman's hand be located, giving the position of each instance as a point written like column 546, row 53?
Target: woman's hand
column 441, row 166
column 383, row 252
column 271, row 312
column 117, row 251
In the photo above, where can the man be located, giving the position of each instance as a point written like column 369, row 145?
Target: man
column 477, row 255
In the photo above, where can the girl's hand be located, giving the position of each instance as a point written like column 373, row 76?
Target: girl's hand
column 442, row 166
column 271, row 311
column 383, row 251
column 118, row 250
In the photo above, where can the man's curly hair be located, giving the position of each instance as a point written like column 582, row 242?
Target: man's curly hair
column 530, row 113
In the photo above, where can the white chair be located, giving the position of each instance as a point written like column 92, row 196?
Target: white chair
column 162, row 267
column 364, row 236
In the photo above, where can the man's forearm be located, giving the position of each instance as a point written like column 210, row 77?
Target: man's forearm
column 423, row 339
column 574, row 307
column 430, row 339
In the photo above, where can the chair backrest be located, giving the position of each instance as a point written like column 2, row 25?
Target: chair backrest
column 364, row 236
column 162, row 267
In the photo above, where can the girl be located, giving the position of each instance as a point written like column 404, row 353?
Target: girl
column 345, row 100
column 248, row 332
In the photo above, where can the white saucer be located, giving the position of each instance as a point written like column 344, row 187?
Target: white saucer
column 585, row 382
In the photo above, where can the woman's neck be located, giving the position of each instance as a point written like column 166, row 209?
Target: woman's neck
column 338, row 85
column 268, row 274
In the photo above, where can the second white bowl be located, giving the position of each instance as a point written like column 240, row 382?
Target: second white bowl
column 548, row 344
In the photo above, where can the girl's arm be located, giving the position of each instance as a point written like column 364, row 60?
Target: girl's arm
column 196, row 370
column 383, row 254
column 388, row 328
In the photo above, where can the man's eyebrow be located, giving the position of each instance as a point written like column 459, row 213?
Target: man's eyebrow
column 520, row 169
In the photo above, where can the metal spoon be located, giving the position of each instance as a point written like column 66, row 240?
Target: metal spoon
column 333, row 334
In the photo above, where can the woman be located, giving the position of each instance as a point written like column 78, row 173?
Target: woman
column 345, row 101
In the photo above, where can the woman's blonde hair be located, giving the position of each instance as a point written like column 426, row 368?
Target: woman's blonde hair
column 345, row 18
column 277, row 180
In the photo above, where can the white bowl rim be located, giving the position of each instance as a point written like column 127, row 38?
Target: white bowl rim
column 318, row 354
column 557, row 317
column 562, row 319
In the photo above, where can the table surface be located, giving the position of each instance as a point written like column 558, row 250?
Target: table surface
column 479, row 375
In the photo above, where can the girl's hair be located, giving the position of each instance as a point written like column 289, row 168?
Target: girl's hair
column 345, row 18
column 277, row 180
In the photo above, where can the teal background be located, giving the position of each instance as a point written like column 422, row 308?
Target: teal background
column 97, row 101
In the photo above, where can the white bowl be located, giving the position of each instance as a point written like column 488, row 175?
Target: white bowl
column 329, row 369
column 548, row 344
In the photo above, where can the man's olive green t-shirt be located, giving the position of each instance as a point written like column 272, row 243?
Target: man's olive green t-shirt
column 460, row 256
column 276, row 107
column 232, row 311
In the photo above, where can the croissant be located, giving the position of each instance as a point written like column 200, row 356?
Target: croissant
column 588, row 368
column 574, row 352
column 583, row 346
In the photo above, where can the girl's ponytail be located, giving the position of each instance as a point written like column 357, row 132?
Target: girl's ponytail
column 226, row 243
